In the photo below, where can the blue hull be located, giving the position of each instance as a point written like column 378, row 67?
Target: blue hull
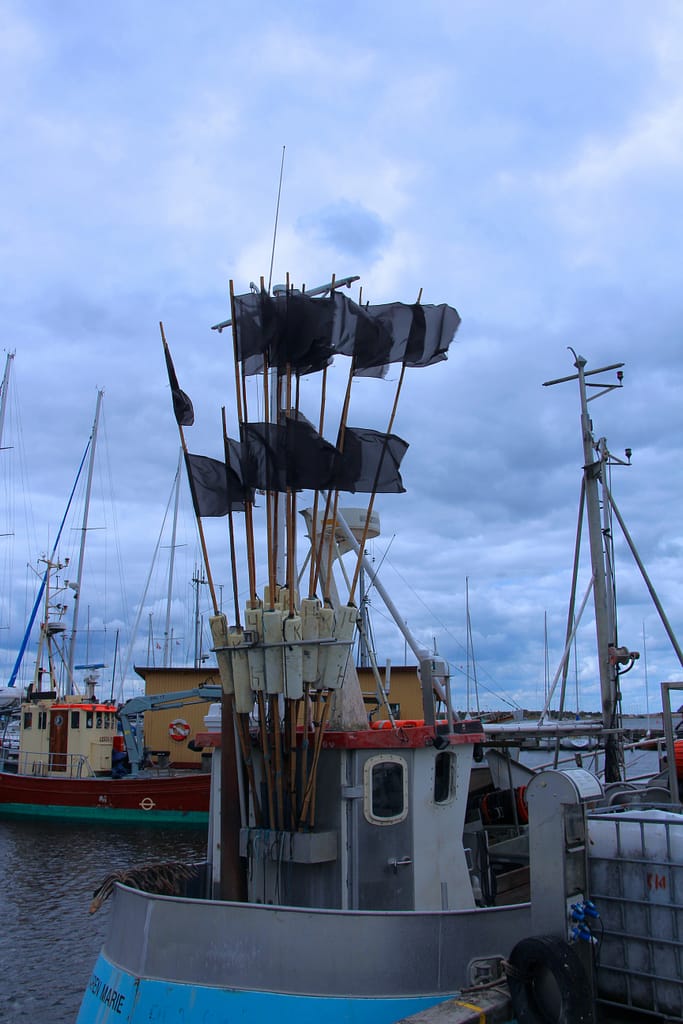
column 115, row 997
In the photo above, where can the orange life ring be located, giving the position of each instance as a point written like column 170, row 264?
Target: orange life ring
column 179, row 730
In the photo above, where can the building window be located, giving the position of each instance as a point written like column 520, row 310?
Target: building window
column 385, row 800
column 443, row 777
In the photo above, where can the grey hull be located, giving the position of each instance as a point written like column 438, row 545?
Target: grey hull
column 251, row 947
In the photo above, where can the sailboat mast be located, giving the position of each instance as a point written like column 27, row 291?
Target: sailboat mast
column 84, row 530
column 3, row 393
column 171, row 564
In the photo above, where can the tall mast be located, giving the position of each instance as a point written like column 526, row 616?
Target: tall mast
column 171, row 564
column 593, row 470
column 84, row 529
column 3, row 393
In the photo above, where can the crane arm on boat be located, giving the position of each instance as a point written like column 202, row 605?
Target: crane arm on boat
column 154, row 702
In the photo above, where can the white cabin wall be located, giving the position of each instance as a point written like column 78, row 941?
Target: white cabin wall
column 440, row 864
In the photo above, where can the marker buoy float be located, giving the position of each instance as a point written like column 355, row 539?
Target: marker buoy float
column 179, row 730
column 548, row 982
column 678, row 758
column 398, row 723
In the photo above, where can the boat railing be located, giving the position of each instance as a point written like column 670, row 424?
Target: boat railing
column 68, row 766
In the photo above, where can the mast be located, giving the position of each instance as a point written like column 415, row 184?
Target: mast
column 3, row 393
column 593, row 470
column 84, row 530
column 169, row 594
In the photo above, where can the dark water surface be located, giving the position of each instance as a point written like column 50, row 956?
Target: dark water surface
column 48, row 940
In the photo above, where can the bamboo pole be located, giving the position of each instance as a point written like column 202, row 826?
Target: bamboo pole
column 200, row 528
column 241, row 402
column 232, row 877
column 308, row 805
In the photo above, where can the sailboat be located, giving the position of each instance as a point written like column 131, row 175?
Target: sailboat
column 341, row 883
column 76, row 755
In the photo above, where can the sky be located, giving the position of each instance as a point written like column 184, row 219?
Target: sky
column 520, row 162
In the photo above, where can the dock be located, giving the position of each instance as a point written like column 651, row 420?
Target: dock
column 484, row 1006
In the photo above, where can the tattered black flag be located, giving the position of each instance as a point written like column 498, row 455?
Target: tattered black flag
column 311, row 460
column 370, row 461
column 432, row 331
column 304, row 333
column 292, row 330
column 216, row 488
column 263, row 456
column 182, row 406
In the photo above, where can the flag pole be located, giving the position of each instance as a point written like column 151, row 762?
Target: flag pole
column 241, row 400
column 373, row 494
column 316, row 498
column 232, row 877
column 242, row 414
column 195, row 505
column 335, row 504
column 368, row 516
column 231, row 524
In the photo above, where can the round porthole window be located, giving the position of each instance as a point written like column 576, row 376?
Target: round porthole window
column 59, row 720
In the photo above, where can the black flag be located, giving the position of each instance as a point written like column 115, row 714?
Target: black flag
column 216, row 489
column 292, row 330
column 311, row 460
column 182, row 406
column 370, row 462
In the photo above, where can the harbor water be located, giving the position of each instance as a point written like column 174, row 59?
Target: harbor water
column 48, row 940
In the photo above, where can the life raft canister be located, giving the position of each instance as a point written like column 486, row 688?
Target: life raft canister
column 179, row 730
column 548, row 982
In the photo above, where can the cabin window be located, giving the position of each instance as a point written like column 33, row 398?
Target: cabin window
column 28, row 719
column 98, row 723
column 42, row 719
column 75, row 719
column 443, row 777
column 89, row 720
column 385, row 800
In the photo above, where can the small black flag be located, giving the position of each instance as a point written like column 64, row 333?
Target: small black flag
column 216, row 489
column 182, row 406
column 370, row 462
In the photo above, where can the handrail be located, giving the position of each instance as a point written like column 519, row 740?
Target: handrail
column 42, row 764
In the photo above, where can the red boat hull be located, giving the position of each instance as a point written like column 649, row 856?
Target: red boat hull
column 181, row 798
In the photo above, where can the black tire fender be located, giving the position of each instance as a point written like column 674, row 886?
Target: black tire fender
column 548, row 983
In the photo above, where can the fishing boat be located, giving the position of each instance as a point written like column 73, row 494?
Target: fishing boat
column 67, row 753
column 345, row 879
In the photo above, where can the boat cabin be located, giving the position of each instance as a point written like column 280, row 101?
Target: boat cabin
column 388, row 838
column 69, row 737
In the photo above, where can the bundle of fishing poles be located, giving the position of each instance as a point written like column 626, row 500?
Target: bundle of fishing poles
column 283, row 658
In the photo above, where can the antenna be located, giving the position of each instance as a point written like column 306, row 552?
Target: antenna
column 277, row 214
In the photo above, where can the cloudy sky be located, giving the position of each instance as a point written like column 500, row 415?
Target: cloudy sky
column 521, row 162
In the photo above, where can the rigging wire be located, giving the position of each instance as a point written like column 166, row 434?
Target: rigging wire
column 277, row 215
